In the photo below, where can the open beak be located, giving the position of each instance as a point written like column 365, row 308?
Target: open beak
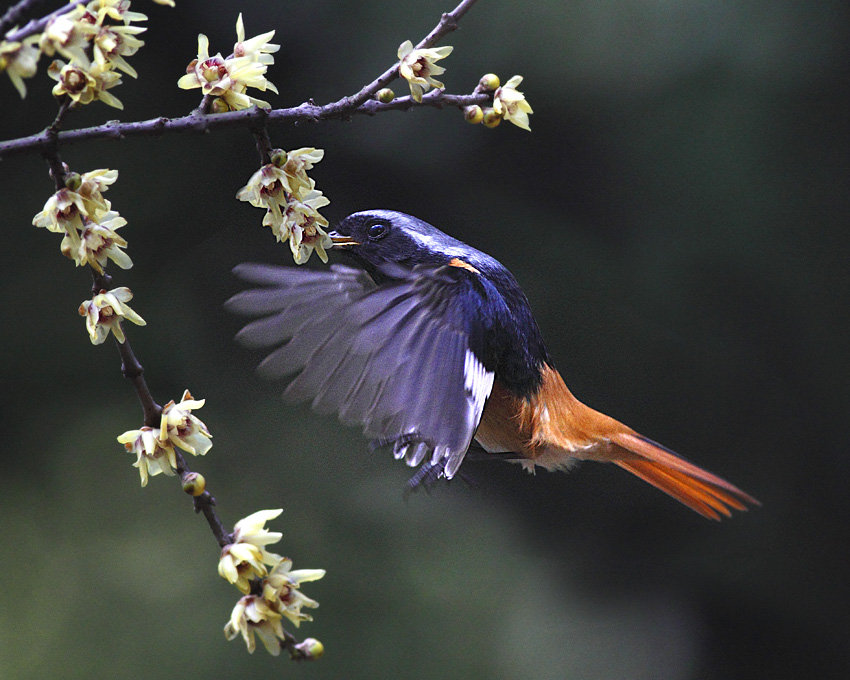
column 341, row 241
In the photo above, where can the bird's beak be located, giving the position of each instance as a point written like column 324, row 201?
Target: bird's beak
column 341, row 241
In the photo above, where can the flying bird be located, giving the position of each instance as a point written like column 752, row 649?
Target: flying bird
column 431, row 346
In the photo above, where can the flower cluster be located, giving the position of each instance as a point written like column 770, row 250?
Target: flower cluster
column 86, row 219
column 154, row 448
column 227, row 79
column 94, row 38
column 271, row 588
column 417, row 67
column 508, row 103
column 291, row 201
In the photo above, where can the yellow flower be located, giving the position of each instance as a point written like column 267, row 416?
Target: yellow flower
column 169, row 3
column 245, row 557
column 183, row 429
column 281, row 588
column 112, row 43
column 298, row 162
column 152, row 455
column 62, row 213
column 19, row 60
column 511, row 104
column 84, row 82
column 417, row 67
column 105, row 311
column 67, row 34
column 253, row 615
column 241, row 562
column 82, row 197
column 98, row 242
column 258, row 48
column 90, row 191
column 304, row 223
column 251, row 529
column 229, row 78
column 114, row 9
column 267, row 189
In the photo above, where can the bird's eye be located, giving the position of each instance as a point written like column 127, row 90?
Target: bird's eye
column 378, row 230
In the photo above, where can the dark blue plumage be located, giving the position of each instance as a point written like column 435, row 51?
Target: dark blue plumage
column 504, row 333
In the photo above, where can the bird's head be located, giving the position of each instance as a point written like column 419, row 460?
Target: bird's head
column 378, row 237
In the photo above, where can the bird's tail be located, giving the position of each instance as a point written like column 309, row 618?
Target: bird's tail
column 700, row 490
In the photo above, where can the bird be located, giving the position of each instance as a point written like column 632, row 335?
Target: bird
column 431, row 346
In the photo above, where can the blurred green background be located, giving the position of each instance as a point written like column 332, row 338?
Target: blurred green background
column 678, row 219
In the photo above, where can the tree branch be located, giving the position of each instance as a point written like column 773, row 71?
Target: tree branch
column 17, row 13
column 198, row 123
column 36, row 25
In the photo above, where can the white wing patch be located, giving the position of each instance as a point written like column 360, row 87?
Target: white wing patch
column 478, row 382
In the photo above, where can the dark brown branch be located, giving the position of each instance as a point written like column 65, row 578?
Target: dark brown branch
column 197, row 123
column 51, row 153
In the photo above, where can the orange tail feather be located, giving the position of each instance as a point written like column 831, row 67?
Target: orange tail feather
column 699, row 489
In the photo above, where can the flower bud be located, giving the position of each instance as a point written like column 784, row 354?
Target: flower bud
column 311, row 648
column 491, row 118
column 386, row 95
column 194, row 484
column 489, row 82
column 473, row 114
column 278, row 158
column 219, row 106
column 73, row 181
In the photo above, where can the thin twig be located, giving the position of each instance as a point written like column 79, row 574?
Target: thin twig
column 37, row 25
column 447, row 24
column 17, row 13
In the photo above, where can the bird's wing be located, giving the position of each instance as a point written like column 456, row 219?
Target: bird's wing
column 400, row 358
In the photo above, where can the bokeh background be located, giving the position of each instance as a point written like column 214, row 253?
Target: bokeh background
column 678, row 219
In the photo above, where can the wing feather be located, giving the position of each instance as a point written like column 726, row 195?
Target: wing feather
column 395, row 358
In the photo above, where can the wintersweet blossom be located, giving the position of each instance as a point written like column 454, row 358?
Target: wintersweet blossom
column 183, row 429
column 252, row 614
column 228, row 79
column 119, row 10
column 246, row 557
column 305, row 226
column 298, row 162
column 105, row 311
column 97, row 243
column 19, row 60
column 81, row 197
column 258, row 48
column 252, row 529
column 241, row 562
column 112, row 43
column 153, row 456
column 267, row 188
column 511, row 104
column 417, row 67
column 67, row 35
column 84, row 82
column 281, row 588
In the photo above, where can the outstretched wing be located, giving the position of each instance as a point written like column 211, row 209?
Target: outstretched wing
column 400, row 358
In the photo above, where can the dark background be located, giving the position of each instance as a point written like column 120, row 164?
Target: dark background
column 678, row 219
